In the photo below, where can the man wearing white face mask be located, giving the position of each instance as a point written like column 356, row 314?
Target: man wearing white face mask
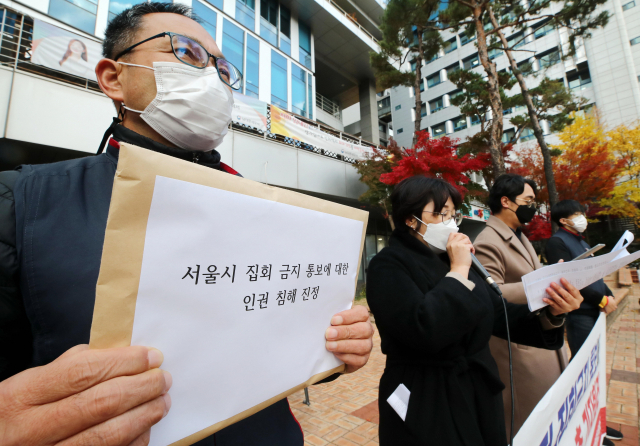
column 566, row 244
column 172, row 89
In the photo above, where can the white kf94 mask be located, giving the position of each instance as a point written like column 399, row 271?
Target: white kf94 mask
column 580, row 223
column 437, row 234
column 192, row 107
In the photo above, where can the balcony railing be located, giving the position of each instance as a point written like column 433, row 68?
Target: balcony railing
column 328, row 106
column 354, row 21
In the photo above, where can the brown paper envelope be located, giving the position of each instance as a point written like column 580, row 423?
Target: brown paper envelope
column 119, row 278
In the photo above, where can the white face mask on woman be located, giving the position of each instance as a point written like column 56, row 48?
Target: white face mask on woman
column 437, row 234
column 580, row 223
column 192, row 107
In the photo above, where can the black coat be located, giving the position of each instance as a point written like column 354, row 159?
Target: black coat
column 435, row 333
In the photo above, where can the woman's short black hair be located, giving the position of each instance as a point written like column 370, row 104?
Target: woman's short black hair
column 411, row 195
column 565, row 209
column 507, row 185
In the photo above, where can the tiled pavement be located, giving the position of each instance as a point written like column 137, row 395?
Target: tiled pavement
column 345, row 413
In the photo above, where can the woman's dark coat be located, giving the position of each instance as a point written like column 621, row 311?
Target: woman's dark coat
column 435, row 333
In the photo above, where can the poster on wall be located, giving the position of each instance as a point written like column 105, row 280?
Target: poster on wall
column 62, row 50
column 282, row 123
column 249, row 112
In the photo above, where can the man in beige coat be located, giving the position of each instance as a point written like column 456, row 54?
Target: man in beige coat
column 508, row 255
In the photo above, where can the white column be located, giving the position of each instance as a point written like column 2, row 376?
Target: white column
column 446, row 101
column 256, row 29
column 295, row 38
column 229, row 8
column 448, row 127
column 264, row 92
column 443, row 75
column 102, row 17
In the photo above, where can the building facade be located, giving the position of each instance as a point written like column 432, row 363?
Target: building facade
column 604, row 70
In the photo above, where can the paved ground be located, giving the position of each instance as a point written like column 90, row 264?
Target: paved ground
column 345, row 412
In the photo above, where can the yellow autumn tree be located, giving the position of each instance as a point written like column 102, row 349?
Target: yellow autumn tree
column 624, row 200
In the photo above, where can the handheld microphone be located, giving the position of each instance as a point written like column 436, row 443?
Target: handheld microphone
column 478, row 268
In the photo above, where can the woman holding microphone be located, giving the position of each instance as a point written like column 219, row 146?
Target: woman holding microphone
column 436, row 316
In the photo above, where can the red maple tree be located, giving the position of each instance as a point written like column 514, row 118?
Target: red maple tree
column 436, row 158
column 539, row 228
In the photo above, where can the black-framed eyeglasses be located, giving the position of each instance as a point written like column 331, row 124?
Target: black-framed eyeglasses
column 447, row 216
column 191, row 53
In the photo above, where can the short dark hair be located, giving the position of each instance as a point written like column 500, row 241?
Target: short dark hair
column 123, row 28
column 411, row 195
column 507, row 185
column 565, row 209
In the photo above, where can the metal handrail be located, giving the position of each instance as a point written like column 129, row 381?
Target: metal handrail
column 354, row 22
column 328, row 106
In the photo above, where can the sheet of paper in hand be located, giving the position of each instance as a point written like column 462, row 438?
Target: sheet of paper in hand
column 234, row 281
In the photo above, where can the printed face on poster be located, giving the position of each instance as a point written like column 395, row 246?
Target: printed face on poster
column 62, row 50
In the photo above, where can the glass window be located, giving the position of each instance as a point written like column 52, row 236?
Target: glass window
column 508, row 135
column 310, row 88
column 421, row 85
column 117, row 6
column 452, row 69
column 279, row 76
column 434, row 57
column 516, row 40
column 298, row 90
column 245, row 13
column 398, row 107
column 423, row 110
column 400, row 130
column 579, row 80
column 217, row 3
column 433, row 80
column 414, row 65
column 269, row 21
column 471, row 62
column 543, row 30
column 635, row 41
column 460, row 123
column 551, row 59
column 438, row 130
column 526, row 135
column 436, row 105
column 233, row 44
column 464, row 39
column 208, row 18
column 475, row 120
column 493, row 53
column 252, row 75
column 78, row 13
column 285, row 30
column 305, row 45
column 628, row 5
column 450, row 45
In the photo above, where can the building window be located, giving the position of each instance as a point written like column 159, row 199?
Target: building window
column 493, row 53
column 285, row 30
column 269, row 21
column 464, row 39
column 400, row 130
column 245, row 13
column 252, row 75
column 471, row 62
column 450, row 45
column 628, row 5
column 423, row 110
column 452, row 69
column 217, row 3
column 517, row 40
column 433, row 80
column 460, row 123
column 310, row 88
column 398, row 107
column 439, row 130
column 208, row 18
column 116, row 7
column 579, row 80
column 543, row 30
column 527, row 134
column 233, row 44
column 635, row 41
column 475, row 120
column 298, row 90
column 508, row 135
column 78, row 13
column 434, row 57
column 279, row 76
column 436, row 105
column 305, row 45
column 551, row 59
column 414, row 65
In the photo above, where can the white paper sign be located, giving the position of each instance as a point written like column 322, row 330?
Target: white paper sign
column 573, row 412
column 580, row 273
column 227, row 349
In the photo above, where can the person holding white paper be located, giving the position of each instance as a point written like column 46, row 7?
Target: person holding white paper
column 172, row 88
column 436, row 316
column 508, row 255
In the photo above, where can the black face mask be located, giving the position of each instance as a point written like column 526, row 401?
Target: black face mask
column 525, row 214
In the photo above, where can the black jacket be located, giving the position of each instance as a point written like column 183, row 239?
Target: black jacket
column 564, row 245
column 435, row 332
column 52, row 223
